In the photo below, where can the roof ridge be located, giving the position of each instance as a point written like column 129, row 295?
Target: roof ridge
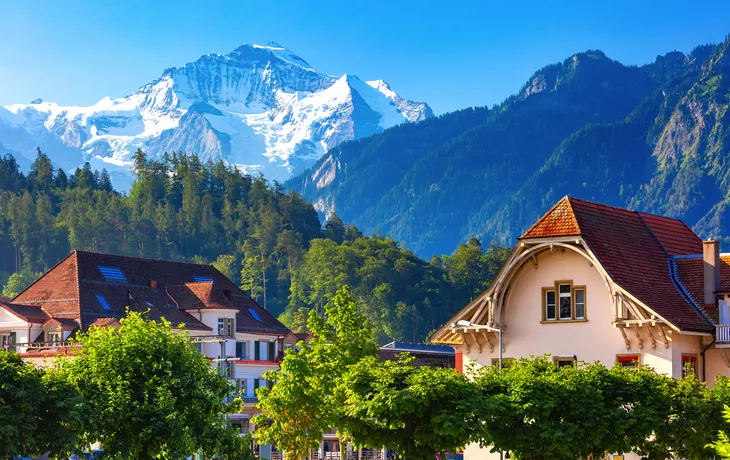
column 626, row 209
column 78, row 289
column 146, row 259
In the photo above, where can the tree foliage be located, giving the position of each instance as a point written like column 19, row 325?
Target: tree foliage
column 721, row 446
column 414, row 411
column 148, row 393
column 272, row 241
column 302, row 403
column 37, row 410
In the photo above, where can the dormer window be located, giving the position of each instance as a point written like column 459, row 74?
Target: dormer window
column 54, row 337
column 563, row 302
column 112, row 274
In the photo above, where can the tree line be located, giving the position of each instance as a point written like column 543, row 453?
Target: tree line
column 269, row 240
column 531, row 409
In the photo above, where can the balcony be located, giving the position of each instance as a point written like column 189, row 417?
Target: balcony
column 722, row 333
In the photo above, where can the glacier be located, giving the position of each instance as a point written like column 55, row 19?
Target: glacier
column 261, row 108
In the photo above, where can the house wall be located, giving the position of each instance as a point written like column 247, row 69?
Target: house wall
column 717, row 362
column 592, row 340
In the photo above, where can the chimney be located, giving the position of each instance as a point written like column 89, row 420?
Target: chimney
column 711, row 258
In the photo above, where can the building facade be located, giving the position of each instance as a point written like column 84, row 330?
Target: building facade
column 592, row 282
column 89, row 289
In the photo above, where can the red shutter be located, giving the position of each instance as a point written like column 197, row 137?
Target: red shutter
column 459, row 361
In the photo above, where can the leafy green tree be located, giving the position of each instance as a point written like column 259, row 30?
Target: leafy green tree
column 226, row 264
column 251, row 276
column 36, row 408
column 722, row 445
column 414, row 411
column 148, row 392
column 535, row 409
column 334, row 229
column 694, row 419
column 18, row 282
column 302, row 403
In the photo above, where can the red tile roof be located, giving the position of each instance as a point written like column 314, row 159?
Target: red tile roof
column 71, row 289
column 635, row 249
column 197, row 296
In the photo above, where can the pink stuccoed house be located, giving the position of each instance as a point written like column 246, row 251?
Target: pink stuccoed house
column 596, row 283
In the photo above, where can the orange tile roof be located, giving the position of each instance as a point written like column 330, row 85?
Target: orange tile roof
column 558, row 221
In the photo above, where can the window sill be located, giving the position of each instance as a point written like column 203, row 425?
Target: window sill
column 563, row 321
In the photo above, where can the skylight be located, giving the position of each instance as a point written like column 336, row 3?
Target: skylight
column 148, row 303
column 112, row 274
column 254, row 314
column 102, row 301
column 203, row 279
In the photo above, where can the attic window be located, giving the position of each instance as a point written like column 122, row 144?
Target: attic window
column 102, row 301
column 203, row 279
column 255, row 315
column 148, row 303
column 112, row 274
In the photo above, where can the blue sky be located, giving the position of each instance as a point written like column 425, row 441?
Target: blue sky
column 449, row 53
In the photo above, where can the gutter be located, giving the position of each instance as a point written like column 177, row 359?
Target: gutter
column 674, row 275
column 702, row 354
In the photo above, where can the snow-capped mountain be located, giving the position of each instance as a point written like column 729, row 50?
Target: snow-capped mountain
column 262, row 108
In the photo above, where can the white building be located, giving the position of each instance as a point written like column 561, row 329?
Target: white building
column 89, row 289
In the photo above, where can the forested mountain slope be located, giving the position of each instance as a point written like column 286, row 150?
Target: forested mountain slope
column 269, row 241
column 652, row 138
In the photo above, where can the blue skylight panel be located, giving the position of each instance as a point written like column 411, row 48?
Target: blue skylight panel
column 102, row 301
column 254, row 314
column 148, row 303
column 203, row 279
column 112, row 274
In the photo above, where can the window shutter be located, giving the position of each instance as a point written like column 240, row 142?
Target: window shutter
column 255, row 385
column 257, row 350
column 271, row 350
column 239, row 350
column 13, row 341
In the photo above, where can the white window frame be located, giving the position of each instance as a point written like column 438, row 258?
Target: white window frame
column 559, row 300
column 576, row 303
column 547, row 292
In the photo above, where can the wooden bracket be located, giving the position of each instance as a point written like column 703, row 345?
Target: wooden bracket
column 626, row 339
column 479, row 345
column 489, row 342
column 638, row 339
column 465, row 342
column 664, row 335
column 651, row 337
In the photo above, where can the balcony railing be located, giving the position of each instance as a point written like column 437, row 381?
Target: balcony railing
column 722, row 333
column 37, row 346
